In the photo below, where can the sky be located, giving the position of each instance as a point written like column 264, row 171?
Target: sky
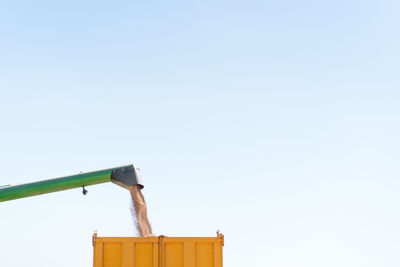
column 276, row 122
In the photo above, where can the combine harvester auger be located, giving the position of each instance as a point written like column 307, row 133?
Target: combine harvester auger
column 125, row 176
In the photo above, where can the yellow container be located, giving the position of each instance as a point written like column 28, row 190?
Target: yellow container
column 158, row 251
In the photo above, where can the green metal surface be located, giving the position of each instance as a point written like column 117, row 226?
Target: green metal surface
column 57, row 184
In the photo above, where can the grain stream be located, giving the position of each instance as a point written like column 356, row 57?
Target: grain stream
column 139, row 211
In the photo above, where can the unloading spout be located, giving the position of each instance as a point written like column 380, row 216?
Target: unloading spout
column 127, row 177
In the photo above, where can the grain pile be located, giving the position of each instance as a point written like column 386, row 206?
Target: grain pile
column 139, row 210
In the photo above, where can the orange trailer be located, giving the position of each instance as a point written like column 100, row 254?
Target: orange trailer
column 158, row 251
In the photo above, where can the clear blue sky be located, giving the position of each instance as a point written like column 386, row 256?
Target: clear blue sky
column 276, row 122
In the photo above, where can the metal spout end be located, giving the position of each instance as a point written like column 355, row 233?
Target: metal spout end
column 127, row 177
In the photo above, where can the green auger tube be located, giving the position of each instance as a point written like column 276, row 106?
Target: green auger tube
column 124, row 176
